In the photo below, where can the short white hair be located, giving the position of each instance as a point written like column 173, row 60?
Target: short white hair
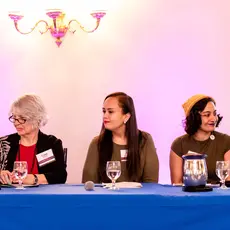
column 32, row 108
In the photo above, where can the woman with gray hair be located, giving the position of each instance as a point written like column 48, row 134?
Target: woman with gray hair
column 43, row 153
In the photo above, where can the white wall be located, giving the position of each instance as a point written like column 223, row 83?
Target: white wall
column 158, row 51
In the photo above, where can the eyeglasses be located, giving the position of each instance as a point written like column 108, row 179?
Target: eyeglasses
column 19, row 120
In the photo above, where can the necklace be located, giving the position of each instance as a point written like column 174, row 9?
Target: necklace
column 212, row 137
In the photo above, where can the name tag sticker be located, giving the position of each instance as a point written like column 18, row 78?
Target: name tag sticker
column 45, row 157
column 124, row 154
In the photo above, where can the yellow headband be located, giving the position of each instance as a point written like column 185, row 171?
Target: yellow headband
column 187, row 106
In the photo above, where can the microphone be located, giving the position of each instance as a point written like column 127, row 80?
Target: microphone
column 89, row 186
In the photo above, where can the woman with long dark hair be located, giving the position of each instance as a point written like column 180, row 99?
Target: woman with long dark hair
column 120, row 140
column 201, row 137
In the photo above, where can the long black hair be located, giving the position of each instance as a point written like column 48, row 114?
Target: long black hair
column 193, row 121
column 134, row 137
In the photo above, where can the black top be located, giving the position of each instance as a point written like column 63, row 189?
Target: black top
column 55, row 172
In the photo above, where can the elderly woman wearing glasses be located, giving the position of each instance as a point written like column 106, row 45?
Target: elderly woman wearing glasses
column 43, row 153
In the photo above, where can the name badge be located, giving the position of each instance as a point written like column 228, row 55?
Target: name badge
column 124, row 154
column 45, row 157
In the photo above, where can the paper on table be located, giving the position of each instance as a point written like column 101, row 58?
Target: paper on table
column 178, row 184
column 16, row 185
column 123, row 185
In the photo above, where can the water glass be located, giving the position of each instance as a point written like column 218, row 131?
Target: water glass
column 222, row 171
column 20, row 172
column 113, row 171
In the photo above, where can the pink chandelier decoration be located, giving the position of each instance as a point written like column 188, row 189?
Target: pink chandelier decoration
column 58, row 28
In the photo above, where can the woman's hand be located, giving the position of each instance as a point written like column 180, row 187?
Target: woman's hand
column 6, row 177
column 29, row 179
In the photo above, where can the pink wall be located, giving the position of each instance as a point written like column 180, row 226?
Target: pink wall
column 158, row 51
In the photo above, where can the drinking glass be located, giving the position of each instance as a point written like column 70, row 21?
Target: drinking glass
column 20, row 172
column 222, row 171
column 113, row 171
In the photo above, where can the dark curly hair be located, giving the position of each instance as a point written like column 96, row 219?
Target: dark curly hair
column 193, row 121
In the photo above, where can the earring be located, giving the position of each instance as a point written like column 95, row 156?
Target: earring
column 125, row 122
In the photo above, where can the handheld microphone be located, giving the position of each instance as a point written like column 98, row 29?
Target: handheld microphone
column 89, row 186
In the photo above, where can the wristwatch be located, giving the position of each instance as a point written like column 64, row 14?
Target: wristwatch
column 35, row 179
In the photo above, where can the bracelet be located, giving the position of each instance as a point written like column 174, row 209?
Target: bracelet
column 35, row 179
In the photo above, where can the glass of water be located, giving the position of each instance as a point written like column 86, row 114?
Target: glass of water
column 222, row 171
column 113, row 171
column 20, row 172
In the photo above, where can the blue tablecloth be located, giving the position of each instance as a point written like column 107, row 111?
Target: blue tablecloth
column 151, row 207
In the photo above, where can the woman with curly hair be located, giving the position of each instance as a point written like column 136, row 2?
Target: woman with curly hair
column 201, row 137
